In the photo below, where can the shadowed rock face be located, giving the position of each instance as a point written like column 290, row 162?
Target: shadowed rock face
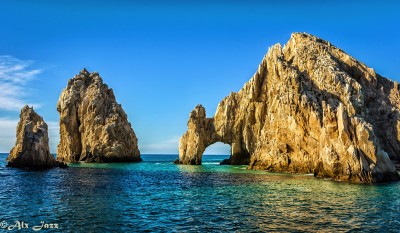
column 31, row 149
column 93, row 126
column 309, row 108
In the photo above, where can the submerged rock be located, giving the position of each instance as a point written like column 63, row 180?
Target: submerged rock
column 31, row 149
column 309, row 108
column 93, row 126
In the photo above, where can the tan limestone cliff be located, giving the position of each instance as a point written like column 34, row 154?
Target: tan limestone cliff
column 309, row 108
column 93, row 126
column 31, row 149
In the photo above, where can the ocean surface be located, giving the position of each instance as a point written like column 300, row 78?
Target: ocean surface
column 158, row 196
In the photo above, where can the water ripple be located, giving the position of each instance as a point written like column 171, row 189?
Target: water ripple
column 157, row 196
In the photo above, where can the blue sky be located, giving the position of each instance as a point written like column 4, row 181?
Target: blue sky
column 163, row 59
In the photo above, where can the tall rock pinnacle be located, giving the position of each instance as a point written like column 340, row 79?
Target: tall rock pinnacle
column 309, row 108
column 93, row 126
column 31, row 149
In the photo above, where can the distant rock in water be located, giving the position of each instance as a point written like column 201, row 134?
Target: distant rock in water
column 93, row 126
column 31, row 149
column 309, row 108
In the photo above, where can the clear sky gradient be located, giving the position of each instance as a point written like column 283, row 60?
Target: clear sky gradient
column 162, row 58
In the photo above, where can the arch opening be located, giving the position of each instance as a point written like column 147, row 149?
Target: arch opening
column 218, row 148
column 217, row 152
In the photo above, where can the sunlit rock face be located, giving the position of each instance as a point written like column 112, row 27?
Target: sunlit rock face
column 309, row 108
column 31, row 150
column 93, row 126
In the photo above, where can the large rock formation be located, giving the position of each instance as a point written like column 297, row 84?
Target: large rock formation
column 93, row 126
column 31, row 149
column 309, row 108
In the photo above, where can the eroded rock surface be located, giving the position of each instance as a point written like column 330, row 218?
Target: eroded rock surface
column 31, row 149
column 93, row 126
column 309, row 108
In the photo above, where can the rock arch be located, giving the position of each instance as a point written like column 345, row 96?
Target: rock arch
column 201, row 133
column 309, row 108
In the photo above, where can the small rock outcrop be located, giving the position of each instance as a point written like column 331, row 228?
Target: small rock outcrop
column 309, row 108
column 31, row 149
column 93, row 126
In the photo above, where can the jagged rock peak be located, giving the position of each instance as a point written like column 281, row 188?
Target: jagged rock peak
column 31, row 149
column 309, row 108
column 93, row 126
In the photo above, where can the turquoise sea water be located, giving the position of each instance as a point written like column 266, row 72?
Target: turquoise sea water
column 158, row 196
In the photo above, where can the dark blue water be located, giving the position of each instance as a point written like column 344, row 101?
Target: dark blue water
column 158, row 196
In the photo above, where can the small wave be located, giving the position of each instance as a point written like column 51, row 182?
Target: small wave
column 212, row 163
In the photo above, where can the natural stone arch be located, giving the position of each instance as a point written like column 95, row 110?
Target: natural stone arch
column 202, row 133
column 309, row 108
